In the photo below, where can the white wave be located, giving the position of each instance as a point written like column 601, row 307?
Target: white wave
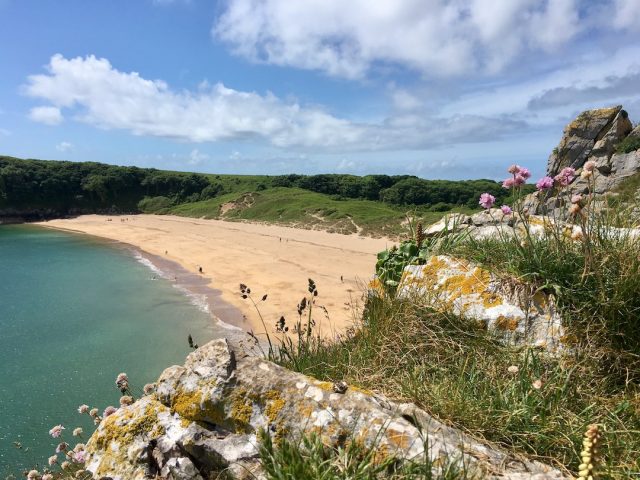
column 149, row 264
column 197, row 299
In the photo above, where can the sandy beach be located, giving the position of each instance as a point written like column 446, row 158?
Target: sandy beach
column 271, row 260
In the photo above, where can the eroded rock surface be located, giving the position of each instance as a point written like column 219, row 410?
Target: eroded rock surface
column 517, row 313
column 593, row 136
column 206, row 416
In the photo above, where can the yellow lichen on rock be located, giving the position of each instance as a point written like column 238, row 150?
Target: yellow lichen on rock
column 187, row 404
column 241, row 410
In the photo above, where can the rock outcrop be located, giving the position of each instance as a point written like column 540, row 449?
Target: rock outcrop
column 593, row 136
column 515, row 312
column 206, row 416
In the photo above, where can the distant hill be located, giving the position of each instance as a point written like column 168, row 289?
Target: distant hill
column 40, row 189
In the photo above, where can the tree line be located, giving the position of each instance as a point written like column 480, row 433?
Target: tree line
column 61, row 187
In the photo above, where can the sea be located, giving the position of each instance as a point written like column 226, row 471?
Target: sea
column 75, row 311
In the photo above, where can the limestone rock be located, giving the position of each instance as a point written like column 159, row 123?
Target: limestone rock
column 579, row 138
column 206, row 417
column 518, row 314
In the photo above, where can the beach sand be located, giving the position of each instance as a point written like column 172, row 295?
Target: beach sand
column 270, row 259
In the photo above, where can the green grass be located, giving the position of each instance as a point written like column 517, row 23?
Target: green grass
column 302, row 208
column 459, row 372
column 309, row 459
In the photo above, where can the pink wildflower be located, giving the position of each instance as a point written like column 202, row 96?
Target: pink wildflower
column 513, row 369
column 545, row 183
column 77, row 432
column 525, row 172
column 575, row 209
column 47, row 476
column 508, row 183
column 93, row 412
column 80, row 456
column 506, row 209
column 487, row 200
column 126, row 400
column 62, row 447
column 566, row 176
column 83, row 409
column 590, row 166
column 513, row 169
column 53, row 459
column 33, row 475
column 519, row 180
column 109, row 411
column 56, row 431
column 149, row 388
column 65, row 465
column 577, row 198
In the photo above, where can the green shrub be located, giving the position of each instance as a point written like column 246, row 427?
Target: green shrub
column 629, row 144
column 158, row 205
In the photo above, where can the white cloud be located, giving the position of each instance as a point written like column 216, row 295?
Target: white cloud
column 102, row 96
column 627, row 14
column 196, row 157
column 46, row 115
column 64, row 147
column 433, row 37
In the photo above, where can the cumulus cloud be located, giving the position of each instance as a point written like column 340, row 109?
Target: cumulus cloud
column 46, row 115
column 434, row 37
column 64, row 147
column 627, row 14
column 100, row 95
column 196, row 157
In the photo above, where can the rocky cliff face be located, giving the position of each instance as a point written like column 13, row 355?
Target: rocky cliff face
column 206, row 416
column 593, row 136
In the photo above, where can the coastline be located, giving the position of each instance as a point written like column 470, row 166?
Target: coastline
column 270, row 259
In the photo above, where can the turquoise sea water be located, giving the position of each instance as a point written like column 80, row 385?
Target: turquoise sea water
column 75, row 312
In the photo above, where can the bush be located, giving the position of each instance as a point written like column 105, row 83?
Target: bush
column 629, row 144
column 155, row 205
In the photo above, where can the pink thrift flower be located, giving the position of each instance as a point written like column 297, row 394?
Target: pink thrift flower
column 126, row 400
column 56, row 431
column 590, row 166
column 519, row 180
column 109, row 411
column 577, row 198
column 33, row 475
column 513, row 369
column 566, row 176
column 508, row 183
column 513, row 169
column 487, row 200
column 83, row 409
column 80, row 456
column 525, row 172
column 545, row 183
column 506, row 209
column 53, row 459
column 62, row 447
column 575, row 209
column 47, row 476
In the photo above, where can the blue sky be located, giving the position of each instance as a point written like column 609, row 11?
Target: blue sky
column 436, row 88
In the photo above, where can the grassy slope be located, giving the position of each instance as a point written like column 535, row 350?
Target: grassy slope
column 302, row 208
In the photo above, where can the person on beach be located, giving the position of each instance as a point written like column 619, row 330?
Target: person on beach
column 200, row 269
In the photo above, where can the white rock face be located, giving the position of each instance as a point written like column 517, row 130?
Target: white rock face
column 518, row 314
column 207, row 415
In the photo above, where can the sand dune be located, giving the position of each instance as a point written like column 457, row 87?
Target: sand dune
column 269, row 259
